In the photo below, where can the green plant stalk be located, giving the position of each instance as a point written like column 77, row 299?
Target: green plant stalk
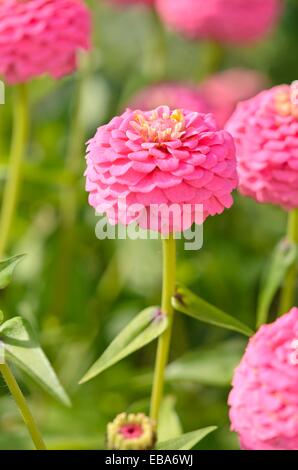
column 213, row 55
column 287, row 298
column 69, row 205
column 23, row 407
column 155, row 55
column 12, row 186
column 168, row 290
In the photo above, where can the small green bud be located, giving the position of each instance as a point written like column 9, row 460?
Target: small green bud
column 131, row 432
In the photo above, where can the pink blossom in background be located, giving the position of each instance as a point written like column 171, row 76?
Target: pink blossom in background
column 41, row 37
column 265, row 129
column 160, row 157
column 174, row 95
column 225, row 89
column 264, row 399
column 228, row 21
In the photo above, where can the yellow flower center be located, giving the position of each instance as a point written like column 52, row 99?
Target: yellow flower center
column 158, row 127
column 286, row 102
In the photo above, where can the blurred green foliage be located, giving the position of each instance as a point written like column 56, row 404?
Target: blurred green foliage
column 79, row 292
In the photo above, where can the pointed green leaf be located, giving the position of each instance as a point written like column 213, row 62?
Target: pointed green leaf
column 7, row 267
column 186, row 441
column 190, row 304
column 22, row 347
column 283, row 257
column 169, row 425
column 213, row 367
column 144, row 328
column 1, row 317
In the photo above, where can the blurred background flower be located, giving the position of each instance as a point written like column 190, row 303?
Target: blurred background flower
column 224, row 90
column 174, row 95
column 227, row 21
column 39, row 37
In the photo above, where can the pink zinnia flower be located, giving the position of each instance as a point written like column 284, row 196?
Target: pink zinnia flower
column 225, row 89
column 41, row 37
column 174, row 95
column 265, row 129
column 160, row 158
column 222, row 20
column 264, row 398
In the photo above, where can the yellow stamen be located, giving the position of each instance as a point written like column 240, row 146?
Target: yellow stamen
column 158, row 127
column 177, row 115
column 286, row 102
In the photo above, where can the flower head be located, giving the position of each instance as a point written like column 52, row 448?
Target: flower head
column 143, row 163
column 174, row 95
column 265, row 129
column 41, row 37
column 131, row 432
column 226, row 21
column 224, row 90
column 264, row 398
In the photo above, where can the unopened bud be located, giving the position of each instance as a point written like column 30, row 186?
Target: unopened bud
column 131, row 432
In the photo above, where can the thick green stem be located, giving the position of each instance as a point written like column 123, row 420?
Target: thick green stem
column 11, row 189
column 23, row 407
column 168, row 290
column 287, row 298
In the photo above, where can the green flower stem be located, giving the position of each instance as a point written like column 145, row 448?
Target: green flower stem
column 168, row 290
column 23, row 407
column 213, row 56
column 11, row 189
column 155, row 54
column 69, row 199
column 287, row 298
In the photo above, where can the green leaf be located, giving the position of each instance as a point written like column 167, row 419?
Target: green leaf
column 7, row 268
column 190, row 304
column 169, row 425
column 282, row 259
column 186, row 441
column 1, row 317
column 22, row 347
column 144, row 328
column 212, row 367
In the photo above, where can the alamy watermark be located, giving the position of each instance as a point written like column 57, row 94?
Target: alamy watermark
column 139, row 222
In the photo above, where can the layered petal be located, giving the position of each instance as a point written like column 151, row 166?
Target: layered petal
column 264, row 398
column 265, row 129
column 155, row 159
